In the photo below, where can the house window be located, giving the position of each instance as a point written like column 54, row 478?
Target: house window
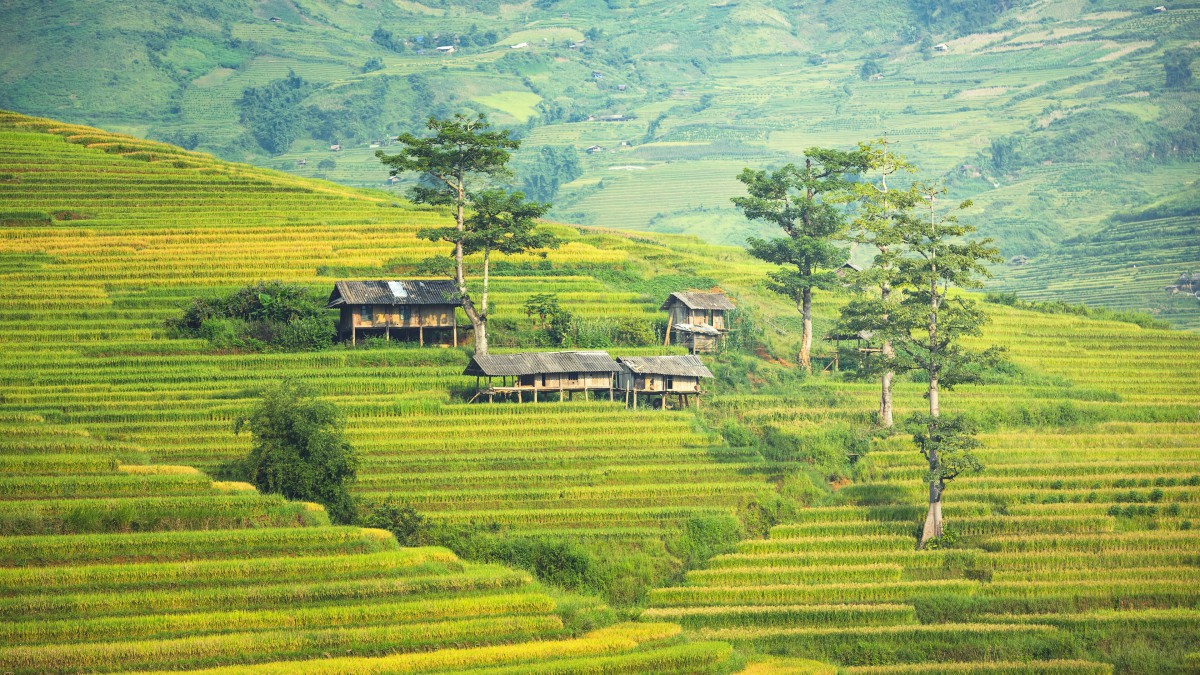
column 670, row 382
column 543, row 379
column 365, row 313
column 405, row 313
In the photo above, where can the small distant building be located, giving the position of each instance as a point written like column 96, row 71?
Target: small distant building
column 520, row 45
column 302, row 162
column 275, row 19
column 665, row 376
column 542, row 373
column 1160, row 8
column 593, row 149
column 617, row 117
column 336, row 147
column 622, row 87
column 597, row 75
column 397, row 309
column 941, row 47
column 696, row 319
column 846, row 268
column 577, row 44
column 446, row 49
column 374, row 144
column 392, row 180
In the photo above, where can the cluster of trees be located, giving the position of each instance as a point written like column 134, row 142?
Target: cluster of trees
column 904, row 300
column 388, row 40
column 268, row 316
column 273, row 114
column 551, row 167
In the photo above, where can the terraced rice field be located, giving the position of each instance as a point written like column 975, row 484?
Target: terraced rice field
column 1076, row 542
column 1077, row 545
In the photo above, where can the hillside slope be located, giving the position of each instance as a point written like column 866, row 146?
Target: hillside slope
column 1091, row 435
column 1052, row 115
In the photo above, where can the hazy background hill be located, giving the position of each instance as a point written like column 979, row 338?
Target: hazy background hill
column 1065, row 121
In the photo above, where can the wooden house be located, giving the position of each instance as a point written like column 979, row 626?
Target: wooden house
column 542, row 373
column 665, row 376
column 404, row 310
column 696, row 319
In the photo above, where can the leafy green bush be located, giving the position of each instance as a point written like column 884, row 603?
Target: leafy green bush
column 266, row 316
column 299, row 449
column 401, row 519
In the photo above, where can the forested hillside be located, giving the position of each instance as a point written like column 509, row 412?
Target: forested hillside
column 767, row 529
column 1053, row 116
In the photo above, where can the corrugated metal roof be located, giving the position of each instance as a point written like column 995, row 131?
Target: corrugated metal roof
column 412, row 292
column 696, row 328
column 699, row 300
column 689, row 366
column 532, row 363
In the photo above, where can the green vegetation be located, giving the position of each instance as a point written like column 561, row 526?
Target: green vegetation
column 265, row 316
column 299, row 449
column 1051, row 116
column 1073, row 552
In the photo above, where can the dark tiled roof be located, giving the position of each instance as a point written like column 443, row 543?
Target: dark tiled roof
column 532, row 363
column 689, row 366
column 394, row 293
column 699, row 300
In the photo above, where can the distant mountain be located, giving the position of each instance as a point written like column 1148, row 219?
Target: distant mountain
column 1052, row 116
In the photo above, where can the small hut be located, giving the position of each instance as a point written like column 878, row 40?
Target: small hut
column 663, row 375
column 697, row 319
column 401, row 309
column 534, row 373
column 846, row 268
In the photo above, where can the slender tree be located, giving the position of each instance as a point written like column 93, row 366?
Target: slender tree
column 805, row 202
column 880, row 208
column 505, row 223
column 462, row 154
column 926, row 328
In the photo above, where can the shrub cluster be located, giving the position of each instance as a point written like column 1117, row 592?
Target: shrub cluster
column 268, row 316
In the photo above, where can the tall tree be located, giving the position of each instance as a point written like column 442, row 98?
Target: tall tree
column 927, row 326
column 463, row 155
column 806, row 203
column 881, row 208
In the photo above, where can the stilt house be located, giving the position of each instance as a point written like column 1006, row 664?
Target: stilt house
column 403, row 310
column 664, row 376
column 534, row 373
column 696, row 319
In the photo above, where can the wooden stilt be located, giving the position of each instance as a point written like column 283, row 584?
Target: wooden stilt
column 353, row 336
column 519, row 396
column 535, row 394
column 387, row 333
column 421, row 336
column 585, row 395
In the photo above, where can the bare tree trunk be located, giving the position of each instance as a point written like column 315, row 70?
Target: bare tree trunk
column 885, row 382
column 885, row 396
column 478, row 321
column 487, row 259
column 933, row 519
column 806, row 336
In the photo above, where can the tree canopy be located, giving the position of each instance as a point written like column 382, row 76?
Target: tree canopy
column 299, row 449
